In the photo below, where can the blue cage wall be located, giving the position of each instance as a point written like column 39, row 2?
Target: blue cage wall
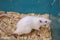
column 35, row 6
column 26, row 6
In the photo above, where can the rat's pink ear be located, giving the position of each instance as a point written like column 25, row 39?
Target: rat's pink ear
column 39, row 20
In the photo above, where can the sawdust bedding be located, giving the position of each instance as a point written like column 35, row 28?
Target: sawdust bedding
column 9, row 24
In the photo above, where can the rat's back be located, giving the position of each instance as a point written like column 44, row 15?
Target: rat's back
column 26, row 20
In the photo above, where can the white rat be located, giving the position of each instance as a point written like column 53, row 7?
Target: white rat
column 26, row 24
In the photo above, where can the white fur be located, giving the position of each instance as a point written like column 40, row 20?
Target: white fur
column 26, row 24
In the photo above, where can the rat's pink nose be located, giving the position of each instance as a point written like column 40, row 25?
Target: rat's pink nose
column 49, row 22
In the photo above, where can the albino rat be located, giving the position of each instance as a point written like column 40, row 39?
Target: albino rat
column 26, row 24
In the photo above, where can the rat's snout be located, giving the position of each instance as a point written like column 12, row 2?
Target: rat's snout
column 49, row 22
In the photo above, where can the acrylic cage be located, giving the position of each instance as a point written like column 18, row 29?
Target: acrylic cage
column 36, row 6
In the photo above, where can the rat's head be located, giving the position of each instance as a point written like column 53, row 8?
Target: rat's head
column 43, row 21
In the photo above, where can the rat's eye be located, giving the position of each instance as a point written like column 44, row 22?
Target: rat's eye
column 40, row 21
column 45, row 21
